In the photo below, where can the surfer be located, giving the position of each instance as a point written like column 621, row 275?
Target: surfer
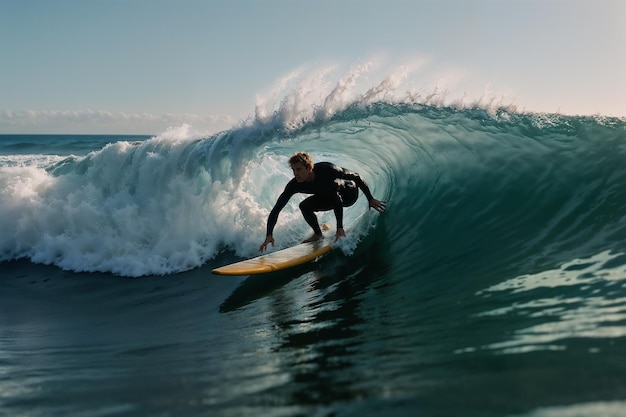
column 333, row 188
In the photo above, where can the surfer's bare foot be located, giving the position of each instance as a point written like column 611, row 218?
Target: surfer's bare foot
column 313, row 238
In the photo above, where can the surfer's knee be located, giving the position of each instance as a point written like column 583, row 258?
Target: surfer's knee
column 349, row 195
column 306, row 206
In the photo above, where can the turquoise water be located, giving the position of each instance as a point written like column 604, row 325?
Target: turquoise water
column 494, row 285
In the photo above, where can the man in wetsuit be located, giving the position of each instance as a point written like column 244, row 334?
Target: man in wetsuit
column 333, row 188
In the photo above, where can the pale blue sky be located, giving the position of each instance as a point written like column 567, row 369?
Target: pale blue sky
column 140, row 66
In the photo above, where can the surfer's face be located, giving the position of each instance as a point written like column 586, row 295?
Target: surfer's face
column 300, row 172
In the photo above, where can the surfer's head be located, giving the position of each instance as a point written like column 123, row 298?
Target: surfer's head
column 301, row 164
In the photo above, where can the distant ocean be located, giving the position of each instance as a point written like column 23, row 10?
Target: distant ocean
column 494, row 285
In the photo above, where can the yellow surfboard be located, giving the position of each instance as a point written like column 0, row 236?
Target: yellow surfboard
column 282, row 259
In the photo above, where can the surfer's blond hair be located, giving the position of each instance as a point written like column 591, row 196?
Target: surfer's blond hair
column 301, row 158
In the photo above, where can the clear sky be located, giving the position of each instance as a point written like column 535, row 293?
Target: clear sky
column 141, row 66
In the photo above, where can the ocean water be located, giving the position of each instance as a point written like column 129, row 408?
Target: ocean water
column 494, row 285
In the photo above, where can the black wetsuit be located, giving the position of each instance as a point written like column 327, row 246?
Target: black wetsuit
column 333, row 189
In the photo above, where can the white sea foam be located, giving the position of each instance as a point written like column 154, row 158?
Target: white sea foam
column 318, row 93
column 135, row 208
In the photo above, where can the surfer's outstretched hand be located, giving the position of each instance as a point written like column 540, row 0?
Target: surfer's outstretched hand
column 379, row 206
column 268, row 240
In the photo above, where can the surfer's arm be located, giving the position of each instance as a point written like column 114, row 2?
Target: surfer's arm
column 379, row 206
column 338, row 209
column 280, row 204
column 268, row 239
column 282, row 201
